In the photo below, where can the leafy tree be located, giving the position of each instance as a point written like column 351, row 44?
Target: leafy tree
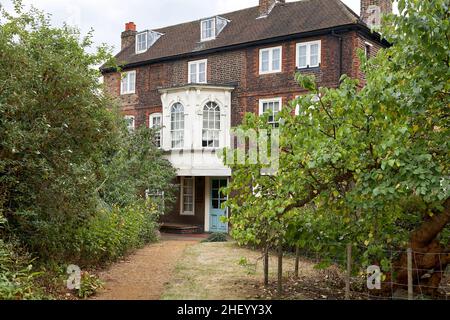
column 365, row 166
column 136, row 167
column 64, row 148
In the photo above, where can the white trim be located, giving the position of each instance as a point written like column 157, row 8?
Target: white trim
column 213, row 29
column 270, row 50
column 207, row 203
column 137, row 42
column 308, row 54
column 161, row 124
column 197, row 63
column 261, row 105
column 133, row 122
column 182, row 212
column 126, row 77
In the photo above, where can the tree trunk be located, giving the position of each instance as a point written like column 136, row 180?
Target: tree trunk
column 280, row 269
column 266, row 267
column 297, row 260
column 428, row 254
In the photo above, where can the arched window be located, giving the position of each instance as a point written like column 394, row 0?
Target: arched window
column 211, row 125
column 177, row 125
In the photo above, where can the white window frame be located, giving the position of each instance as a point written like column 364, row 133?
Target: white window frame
column 137, row 42
column 270, row 50
column 197, row 74
column 213, row 33
column 212, row 131
column 182, row 212
column 133, row 118
column 126, row 78
column 308, row 54
column 263, row 101
column 151, row 125
column 172, row 131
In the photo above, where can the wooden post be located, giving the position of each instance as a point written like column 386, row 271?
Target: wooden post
column 410, row 275
column 280, row 269
column 349, row 272
column 297, row 260
column 266, row 267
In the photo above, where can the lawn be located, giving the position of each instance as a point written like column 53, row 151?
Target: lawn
column 224, row 271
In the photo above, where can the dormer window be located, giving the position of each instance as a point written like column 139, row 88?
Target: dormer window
column 141, row 42
column 212, row 27
column 208, row 29
column 146, row 39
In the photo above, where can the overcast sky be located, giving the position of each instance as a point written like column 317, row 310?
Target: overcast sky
column 108, row 17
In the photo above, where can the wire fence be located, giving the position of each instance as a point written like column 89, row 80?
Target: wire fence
column 402, row 276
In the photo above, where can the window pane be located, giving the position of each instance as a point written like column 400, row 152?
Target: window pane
column 265, row 61
column 276, row 61
column 302, row 57
column 132, row 82
column 193, row 72
column 314, row 55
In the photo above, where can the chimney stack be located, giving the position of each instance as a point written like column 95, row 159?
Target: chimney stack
column 373, row 10
column 265, row 6
column 129, row 35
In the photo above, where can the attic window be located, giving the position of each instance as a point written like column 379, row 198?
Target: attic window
column 212, row 27
column 208, row 29
column 146, row 39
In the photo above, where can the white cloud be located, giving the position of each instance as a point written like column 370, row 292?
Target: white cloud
column 108, row 17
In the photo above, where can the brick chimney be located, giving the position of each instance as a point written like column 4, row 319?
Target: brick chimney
column 129, row 35
column 372, row 11
column 265, row 6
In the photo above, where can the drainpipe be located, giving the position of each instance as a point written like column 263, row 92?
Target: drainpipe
column 334, row 34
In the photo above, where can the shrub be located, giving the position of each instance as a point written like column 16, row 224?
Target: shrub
column 89, row 285
column 16, row 274
column 217, row 237
column 112, row 233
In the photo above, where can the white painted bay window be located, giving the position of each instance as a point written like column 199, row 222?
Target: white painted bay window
column 211, row 125
column 177, row 125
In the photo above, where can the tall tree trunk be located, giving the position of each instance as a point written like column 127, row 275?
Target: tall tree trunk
column 266, row 266
column 297, row 260
column 280, row 269
column 428, row 254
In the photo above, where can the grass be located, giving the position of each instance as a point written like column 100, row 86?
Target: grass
column 220, row 271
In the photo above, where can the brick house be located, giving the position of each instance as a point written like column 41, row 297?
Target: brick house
column 196, row 80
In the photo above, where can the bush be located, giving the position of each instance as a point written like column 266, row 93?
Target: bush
column 217, row 237
column 16, row 274
column 90, row 284
column 112, row 233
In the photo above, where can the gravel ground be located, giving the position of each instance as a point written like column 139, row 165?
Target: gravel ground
column 143, row 275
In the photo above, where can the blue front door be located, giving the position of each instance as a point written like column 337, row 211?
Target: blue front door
column 215, row 210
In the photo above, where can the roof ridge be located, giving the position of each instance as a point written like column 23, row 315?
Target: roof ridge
column 351, row 14
column 198, row 20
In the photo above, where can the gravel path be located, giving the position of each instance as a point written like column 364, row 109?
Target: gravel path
column 143, row 275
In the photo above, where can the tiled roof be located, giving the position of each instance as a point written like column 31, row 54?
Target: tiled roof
column 245, row 27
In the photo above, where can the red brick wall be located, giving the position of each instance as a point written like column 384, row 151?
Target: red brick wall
column 241, row 68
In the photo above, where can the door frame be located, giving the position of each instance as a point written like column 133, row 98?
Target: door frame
column 208, row 202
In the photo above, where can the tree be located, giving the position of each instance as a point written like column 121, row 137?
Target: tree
column 64, row 148
column 367, row 166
